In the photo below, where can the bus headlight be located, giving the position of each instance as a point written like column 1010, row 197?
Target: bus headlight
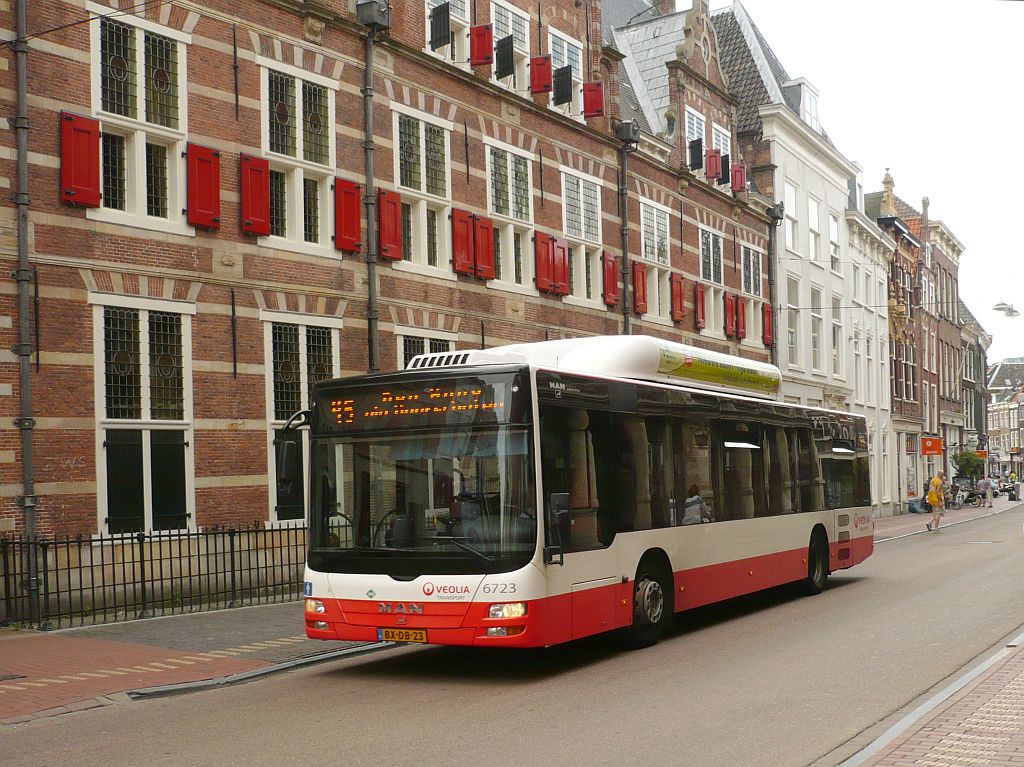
column 314, row 606
column 508, row 610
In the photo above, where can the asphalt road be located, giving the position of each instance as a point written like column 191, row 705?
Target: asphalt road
column 773, row 679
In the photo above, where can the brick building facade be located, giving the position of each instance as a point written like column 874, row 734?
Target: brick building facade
column 198, row 228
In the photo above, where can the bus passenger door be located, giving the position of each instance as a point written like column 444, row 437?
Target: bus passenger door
column 572, row 441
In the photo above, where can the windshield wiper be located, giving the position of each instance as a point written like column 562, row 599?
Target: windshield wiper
column 457, row 541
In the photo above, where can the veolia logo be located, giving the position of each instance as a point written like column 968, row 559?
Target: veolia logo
column 445, row 590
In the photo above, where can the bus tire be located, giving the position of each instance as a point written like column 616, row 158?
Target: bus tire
column 652, row 604
column 817, row 565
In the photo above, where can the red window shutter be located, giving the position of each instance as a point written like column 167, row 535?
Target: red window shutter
column 739, row 179
column 560, row 267
column 540, row 74
column 543, row 250
column 766, row 334
column 203, row 184
column 80, row 160
column 676, row 281
column 348, row 222
column 699, row 314
column 730, row 315
column 462, row 242
column 639, row 287
column 741, row 317
column 483, row 246
column 610, row 269
column 390, row 225
column 593, row 100
column 255, row 186
column 481, row 45
column 712, row 164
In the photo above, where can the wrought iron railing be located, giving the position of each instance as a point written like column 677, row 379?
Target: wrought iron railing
column 85, row 581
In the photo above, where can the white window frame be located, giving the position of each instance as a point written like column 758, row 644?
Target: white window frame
column 573, row 108
column 420, row 200
column 721, row 139
column 506, row 226
column 789, row 192
column 136, row 131
column 457, row 55
column 838, row 347
column 817, row 330
column 834, row 248
column 714, row 290
column 810, row 102
column 296, row 169
column 302, row 321
column 519, row 80
column 813, row 229
column 427, row 334
column 584, row 248
column 659, row 271
column 751, row 256
column 186, row 310
column 696, row 127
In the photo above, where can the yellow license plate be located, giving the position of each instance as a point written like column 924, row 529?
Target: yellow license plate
column 401, row 635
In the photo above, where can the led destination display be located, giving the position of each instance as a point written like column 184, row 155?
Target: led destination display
column 403, row 404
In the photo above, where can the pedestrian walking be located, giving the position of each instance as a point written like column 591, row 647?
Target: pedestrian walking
column 937, row 500
column 985, row 486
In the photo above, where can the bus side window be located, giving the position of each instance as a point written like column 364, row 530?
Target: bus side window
column 664, row 490
column 569, row 466
column 780, row 480
column 633, row 467
column 742, row 466
column 693, row 464
column 810, row 485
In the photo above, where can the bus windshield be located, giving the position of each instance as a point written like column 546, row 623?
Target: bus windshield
column 406, row 502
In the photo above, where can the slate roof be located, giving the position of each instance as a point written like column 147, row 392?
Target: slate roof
column 968, row 318
column 741, row 73
column 873, row 205
column 651, row 44
column 619, row 13
column 629, row 104
column 1008, row 373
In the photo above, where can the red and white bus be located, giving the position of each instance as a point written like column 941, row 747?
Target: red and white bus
column 533, row 494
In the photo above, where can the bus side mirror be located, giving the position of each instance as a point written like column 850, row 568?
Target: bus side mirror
column 287, row 460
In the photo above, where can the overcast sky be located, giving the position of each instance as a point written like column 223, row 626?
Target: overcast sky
column 931, row 90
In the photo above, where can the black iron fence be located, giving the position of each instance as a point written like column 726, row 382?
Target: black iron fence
column 103, row 579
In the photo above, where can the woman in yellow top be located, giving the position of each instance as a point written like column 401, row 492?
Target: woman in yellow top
column 937, row 499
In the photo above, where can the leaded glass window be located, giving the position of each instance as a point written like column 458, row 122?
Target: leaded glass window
column 166, row 372
column 115, row 175
column 654, row 228
column 161, row 80
column 278, row 203
column 431, row 237
column 508, row 23
column 710, row 257
column 406, row 231
column 409, row 152
column 122, row 369
column 319, row 354
column 281, row 115
column 311, row 210
column 118, row 79
column 499, row 181
column 436, row 162
column 315, row 124
column 520, row 188
column 156, row 180
column 573, row 206
column 287, row 379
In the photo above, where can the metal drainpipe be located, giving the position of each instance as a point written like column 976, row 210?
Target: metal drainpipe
column 370, row 204
column 25, row 421
column 773, row 287
column 624, row 216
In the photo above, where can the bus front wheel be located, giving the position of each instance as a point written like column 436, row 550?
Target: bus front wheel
column 817, row 565
column 652, row 606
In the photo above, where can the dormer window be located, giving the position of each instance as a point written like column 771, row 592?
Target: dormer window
column 810, row 108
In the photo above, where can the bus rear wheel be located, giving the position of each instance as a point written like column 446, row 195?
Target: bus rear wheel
column 652, row 606
column 817, row 565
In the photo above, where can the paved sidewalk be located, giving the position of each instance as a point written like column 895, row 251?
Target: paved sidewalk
column 907, row 524
column 43, row 674
column 976, row 720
